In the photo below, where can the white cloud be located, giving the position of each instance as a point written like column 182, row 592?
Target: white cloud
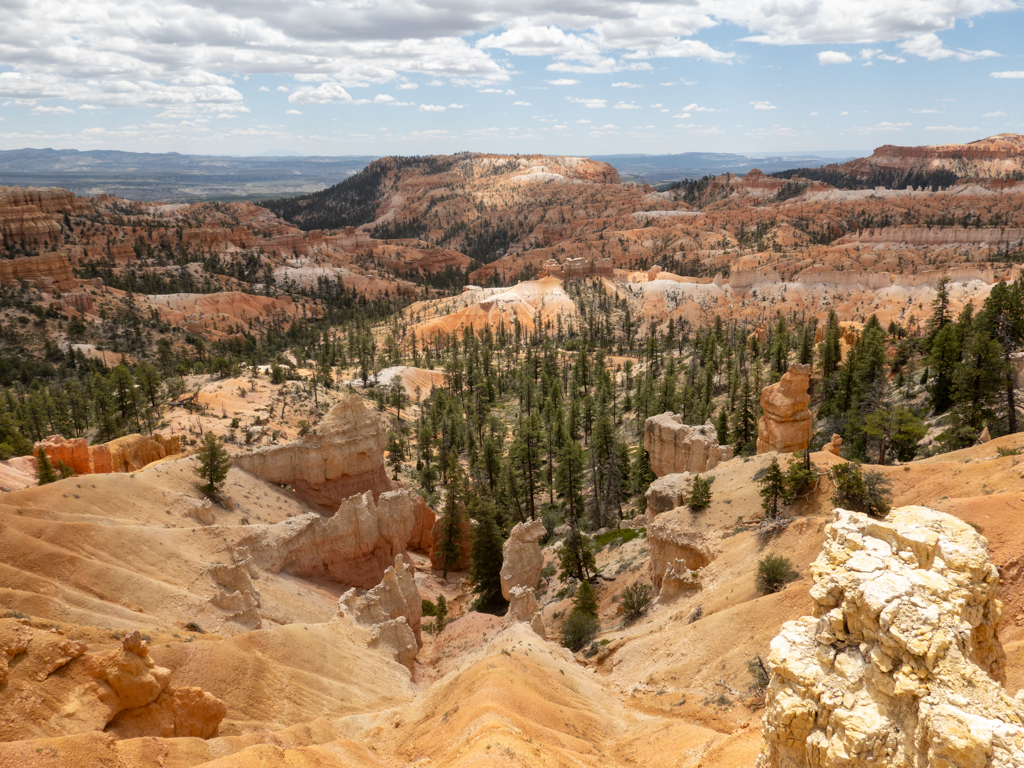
column 924, row 111
column 325, row 93
column 956, row 128
column 696, row 108
column 1008, row 75
column 844, row 113
column 588, row 103
column 53, row 110
column 812, row 114
column 657, row 106
column 264, row 89
column 88, row 106
column 896, row 59
column 283, row 88
column 929, row 46
column 293, row 112
column 563, row 81
column 581, row 120
column 407, row 86
column 684, row 81
column 456, row 106
column 431, row 108
column 626, row 85
column 869, row 53
column 383, row 98
column 994, row 114
column 522, row 104
column 834, row 57
column 759, row 105
column 624, row 105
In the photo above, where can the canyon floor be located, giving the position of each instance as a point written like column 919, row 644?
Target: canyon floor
column 90, row 559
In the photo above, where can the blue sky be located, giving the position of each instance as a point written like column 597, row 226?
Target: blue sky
column 341, row 77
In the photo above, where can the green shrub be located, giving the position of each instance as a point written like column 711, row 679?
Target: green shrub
column 578, row 630
column 759, row 676
column 773, row 573
column 585, row 599
column 635, row 599
column 700, row 494
column 621, row 536
column 1005, row 450
column 867, row 492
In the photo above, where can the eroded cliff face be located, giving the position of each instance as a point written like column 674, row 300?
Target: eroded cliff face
column 125, row 454
column 675, row 447
column 344, row 457
column 786, row 424
column 899, row 664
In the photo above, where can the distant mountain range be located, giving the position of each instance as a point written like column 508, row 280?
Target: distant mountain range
column 173, row 176
column 659, row 169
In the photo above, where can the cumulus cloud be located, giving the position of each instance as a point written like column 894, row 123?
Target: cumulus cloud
column 563, row 81
column 929, row 46
column 522, row 104
column 834, row 57
column 697, row 108
column 994, row 114
column 625, row 105
column 1008, row 75
column 456, row 106
column 407, row 86
column 264, row 89
column 626, row 85
column 953, row 128
column 432, row 108
column 293, row 112
column 588, row 103
column 325, row 93
column 924, row 111
column 759, row 105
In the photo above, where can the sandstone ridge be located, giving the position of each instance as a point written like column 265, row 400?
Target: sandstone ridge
column 677, row 447
column 899, row 663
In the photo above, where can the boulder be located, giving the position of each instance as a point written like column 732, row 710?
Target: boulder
column 354, row 547
column 522, row 560
column 900, row 664
column 397, row 639
column 786, row 424
column 58, row 688
column 345, row 456
column 675, row 447
column 395, row 596
column 676, row 547
column 666, row 493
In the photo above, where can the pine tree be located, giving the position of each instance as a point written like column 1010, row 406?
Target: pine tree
column 45, row 473
column 449, row 544
column 774, row 491
column 585, row 600
column 214, row 463
column 700, row 494
column 830, row 354
column 396, row 453
column 486, row 557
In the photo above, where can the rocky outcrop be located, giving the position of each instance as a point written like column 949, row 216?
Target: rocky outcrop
column 344, row 457
column 57, row 688
column 125, row 454
column 355, row 546
column 666, row 493
column 834, row 445
column 523, row 608
column 786, row 424
column 522, row 560
column 422, row 536
column 677, row 550
column 899, row 663
column 393, row 610
column 676, row 447
column 49, row 271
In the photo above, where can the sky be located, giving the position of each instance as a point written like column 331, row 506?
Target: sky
column 584, row 77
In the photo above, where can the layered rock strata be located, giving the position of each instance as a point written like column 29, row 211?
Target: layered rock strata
column 676, row 447
column 786, row 424
column 344, row 457
column 125, row 454
column 666, row 493
column 522, row 560
column 677, row 551
column 899, row 663
column 393, row 610
column 355, row 546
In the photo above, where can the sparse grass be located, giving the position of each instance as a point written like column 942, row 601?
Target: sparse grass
column 1005, row 450
column 621, row 536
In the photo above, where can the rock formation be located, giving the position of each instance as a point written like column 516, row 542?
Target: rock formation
column 49, row 271
column 523, row 608
column 422, row 536
column 676, row 447
column 345, row 456
column 57, row 688
column 834, row 445
column 125, row 454
column 522, row 560
column 786, row 424
column 354, row 547
column 899, row 663
column 666, row 493
column 394, row 611
column 676, row 551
